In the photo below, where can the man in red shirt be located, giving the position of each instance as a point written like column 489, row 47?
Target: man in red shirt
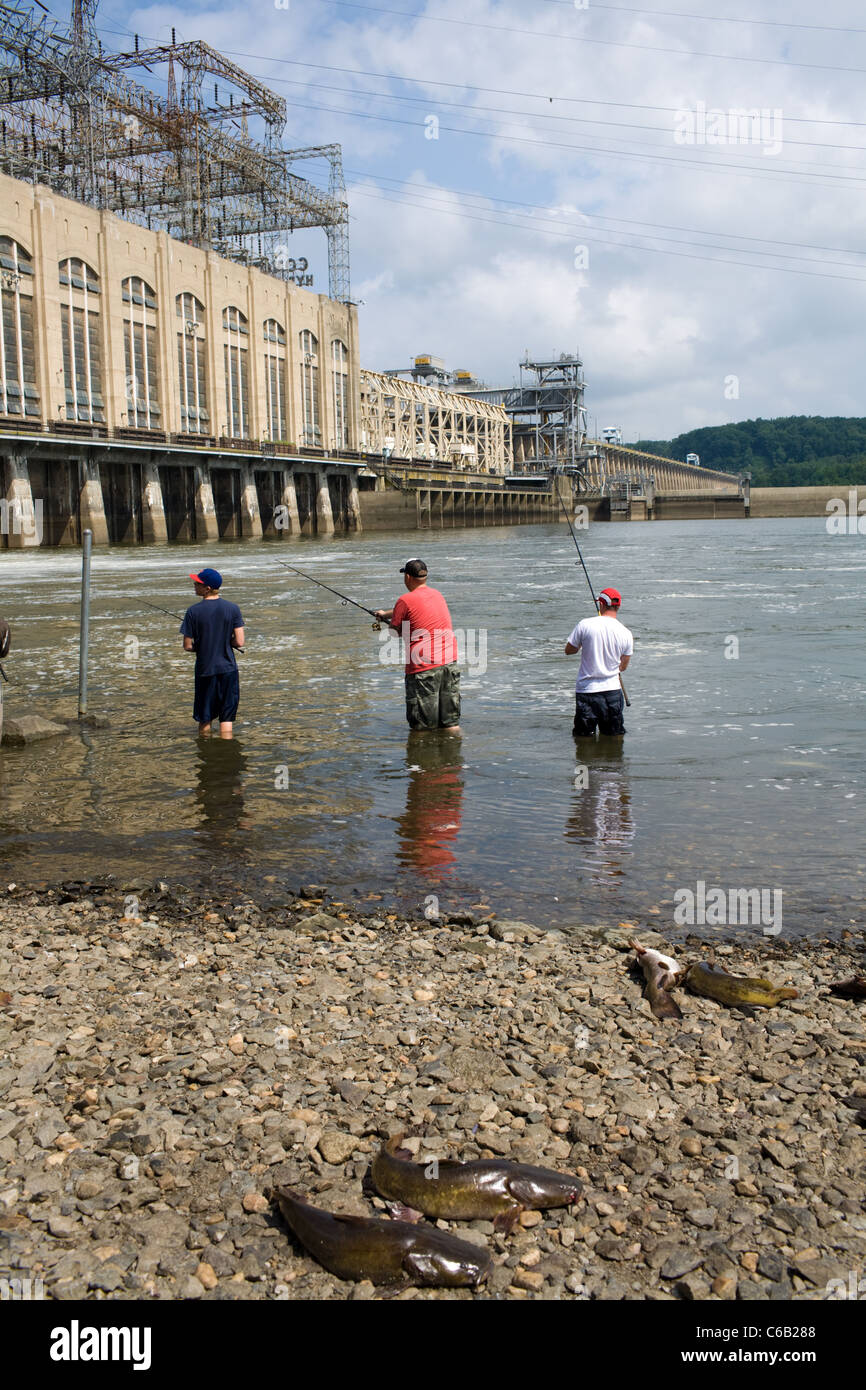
column 432, row 679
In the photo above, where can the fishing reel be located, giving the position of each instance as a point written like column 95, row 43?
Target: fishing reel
column 377, row 626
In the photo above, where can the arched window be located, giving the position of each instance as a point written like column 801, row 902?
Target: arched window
column 192, row 365
column 275, row 379
column 236, row 358
column 18, row 393
column 82, row 351
column 312, row 433
column 340, row 387
column 139, row 342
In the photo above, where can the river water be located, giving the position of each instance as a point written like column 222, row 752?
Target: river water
column 743, row 766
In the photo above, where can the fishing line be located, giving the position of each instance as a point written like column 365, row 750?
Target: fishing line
column 586, row 572
column 158, row 609
column 169, row 612
column 344, row 598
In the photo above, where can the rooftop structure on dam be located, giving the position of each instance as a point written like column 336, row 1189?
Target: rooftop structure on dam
column 206, row 160
column 428, row 424
column 546, row 409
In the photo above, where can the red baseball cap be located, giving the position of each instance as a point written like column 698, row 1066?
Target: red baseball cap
column 611, row 598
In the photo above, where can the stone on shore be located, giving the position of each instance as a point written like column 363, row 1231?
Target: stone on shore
column 162, row 1074
column 30, row 728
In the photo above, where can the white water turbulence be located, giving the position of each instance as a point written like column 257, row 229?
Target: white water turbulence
column 742, row 768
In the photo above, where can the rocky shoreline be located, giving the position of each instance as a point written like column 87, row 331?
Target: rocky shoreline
column 167, row 1056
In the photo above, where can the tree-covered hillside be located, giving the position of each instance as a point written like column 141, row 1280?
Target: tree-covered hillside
column 794, row 450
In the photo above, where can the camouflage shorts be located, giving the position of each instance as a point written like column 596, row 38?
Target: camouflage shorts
column 433, row 698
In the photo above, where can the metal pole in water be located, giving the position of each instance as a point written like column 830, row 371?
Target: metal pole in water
column 84, row 633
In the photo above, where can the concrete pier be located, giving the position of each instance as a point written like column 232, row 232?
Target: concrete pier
column 141, row 494
column 324, row 511
column 289, row 502
column 21, row 525
column 354, row 505
column 153, row 510
column 438, row 508
column 91, row 503
column 251, row 521
column 206, row 527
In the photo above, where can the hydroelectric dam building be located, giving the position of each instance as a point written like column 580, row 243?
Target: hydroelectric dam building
column 168, row 372
column 152, row 390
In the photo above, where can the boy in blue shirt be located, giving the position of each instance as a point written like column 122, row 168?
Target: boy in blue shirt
column 214, row 630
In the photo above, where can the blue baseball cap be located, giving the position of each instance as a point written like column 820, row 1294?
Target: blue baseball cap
column 212, row 578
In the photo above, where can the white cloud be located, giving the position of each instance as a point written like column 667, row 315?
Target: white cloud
column 658, row 332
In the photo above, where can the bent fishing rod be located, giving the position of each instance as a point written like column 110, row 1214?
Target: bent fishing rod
column 586, row 572
column 344, row 598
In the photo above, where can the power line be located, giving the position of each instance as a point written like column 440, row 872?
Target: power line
column 706, row 166
column 431, row 206
column 604, row 217
column 468, row 86
column 581, row 38
column 538, row 115
column 506, row 91
column 715, row 18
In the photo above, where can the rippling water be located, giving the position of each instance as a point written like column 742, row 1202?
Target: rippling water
column 737, row 771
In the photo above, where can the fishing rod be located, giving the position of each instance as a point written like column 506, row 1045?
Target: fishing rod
column 179, row 616
column 157, row 608
column 586, row 572
column 344, row 598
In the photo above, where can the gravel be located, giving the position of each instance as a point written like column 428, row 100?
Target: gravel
column 161, row 1073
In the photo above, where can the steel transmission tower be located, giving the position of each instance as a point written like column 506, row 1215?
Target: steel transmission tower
column 207, row 165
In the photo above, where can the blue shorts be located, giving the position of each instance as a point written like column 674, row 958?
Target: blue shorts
column 217, row 697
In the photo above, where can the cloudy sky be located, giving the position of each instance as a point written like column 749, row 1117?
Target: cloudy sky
column 564, row 175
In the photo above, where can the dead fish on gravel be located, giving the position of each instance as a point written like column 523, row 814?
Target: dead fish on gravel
column 662, row 974
column 386, row 1252
column 734, row 990
column 487, row 1188
column 855, row 988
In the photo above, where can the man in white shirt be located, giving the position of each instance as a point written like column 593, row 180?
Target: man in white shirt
column 606, row 648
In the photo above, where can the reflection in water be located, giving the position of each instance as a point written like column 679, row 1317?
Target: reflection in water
column 428, row 829
column 736, row 775
column 601, row 818
column 219, row 793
